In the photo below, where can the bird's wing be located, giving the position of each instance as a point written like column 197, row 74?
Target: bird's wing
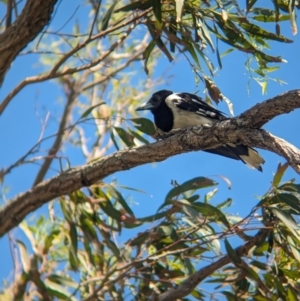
column 193, row 103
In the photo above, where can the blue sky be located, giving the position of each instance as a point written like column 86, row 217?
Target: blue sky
column 20, row 127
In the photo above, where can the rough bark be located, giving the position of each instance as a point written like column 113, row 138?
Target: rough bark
column 181, row 141
column 281, row 104
column 35, row 15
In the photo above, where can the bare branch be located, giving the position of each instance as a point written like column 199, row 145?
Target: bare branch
column 73, row 94
column 95, row 18
column 181, row 141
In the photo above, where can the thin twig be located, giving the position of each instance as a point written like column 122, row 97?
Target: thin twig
column 53, row 73
column 95, row 18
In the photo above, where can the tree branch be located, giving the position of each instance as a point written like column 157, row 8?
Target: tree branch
column 73, row 93
column 55, row 73
column 186, row 287
column 181, row 141
column 35, row 15
column 263, row 112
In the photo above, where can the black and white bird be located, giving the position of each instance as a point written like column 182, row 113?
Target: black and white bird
column 181, row 110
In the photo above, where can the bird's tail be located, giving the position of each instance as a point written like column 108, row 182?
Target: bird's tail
column 240, row 152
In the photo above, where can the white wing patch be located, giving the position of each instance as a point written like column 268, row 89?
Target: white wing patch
column 184, row 119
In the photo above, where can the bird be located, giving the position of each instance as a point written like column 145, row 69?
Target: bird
column 183, row 110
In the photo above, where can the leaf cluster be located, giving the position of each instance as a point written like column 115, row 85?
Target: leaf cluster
column 195, row 28
column 187, row 233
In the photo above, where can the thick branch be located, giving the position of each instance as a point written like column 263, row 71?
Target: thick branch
column 35, row 15
column 263, row 112
column 180, row 142
column 186, row 287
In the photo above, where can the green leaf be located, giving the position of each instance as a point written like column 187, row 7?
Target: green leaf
column 210, row 211
column 291, row 296
column 29, row 232
column 112, row 246
column 294, row 249
column 58, row 291
column 289, row 199
column 227, row 52
column 242, row 285
column 260, row 265
column 49, row 239
column 279, row 173
column 219, row 57
column 73, row 237
column 141, row 5
column 124, row 136
column 64, row 209
column 107, row 16
column 227, row 203
column 249, row 4
column 251, row 273
column 90, row 109
column 63, row 280
column 205, row 34
column 259, row 250
column 153, row 217
column 127, row 253
column 193, row 184
column 258, row 31
column 119, row 198
column 107, row 206
column 261, row 298
column 198, row 295
column 25, row 258
column 191, row 49
column 112, row 136
column 138, row 136
column 263, row 86
column 146, row 55
column 287, row 220
column 192, row 213
column 157, row 12
column 232, row 254
column 207, row 61
column 210, row 195
column 156, row 36
column 229, row 296
column 189, row 266
column 290, row 187
column 144, row 125
column 165, row 229
column 193, row 198
column 268, row 15
column 87, row 227
column 293, row 274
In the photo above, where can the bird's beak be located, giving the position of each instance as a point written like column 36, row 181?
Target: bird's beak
column 145, row 106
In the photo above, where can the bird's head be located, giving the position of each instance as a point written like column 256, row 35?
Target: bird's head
column 155, row 101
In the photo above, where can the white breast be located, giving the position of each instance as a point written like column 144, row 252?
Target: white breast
column 182, row 118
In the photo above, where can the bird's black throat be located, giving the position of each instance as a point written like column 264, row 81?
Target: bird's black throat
column 163, row 117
